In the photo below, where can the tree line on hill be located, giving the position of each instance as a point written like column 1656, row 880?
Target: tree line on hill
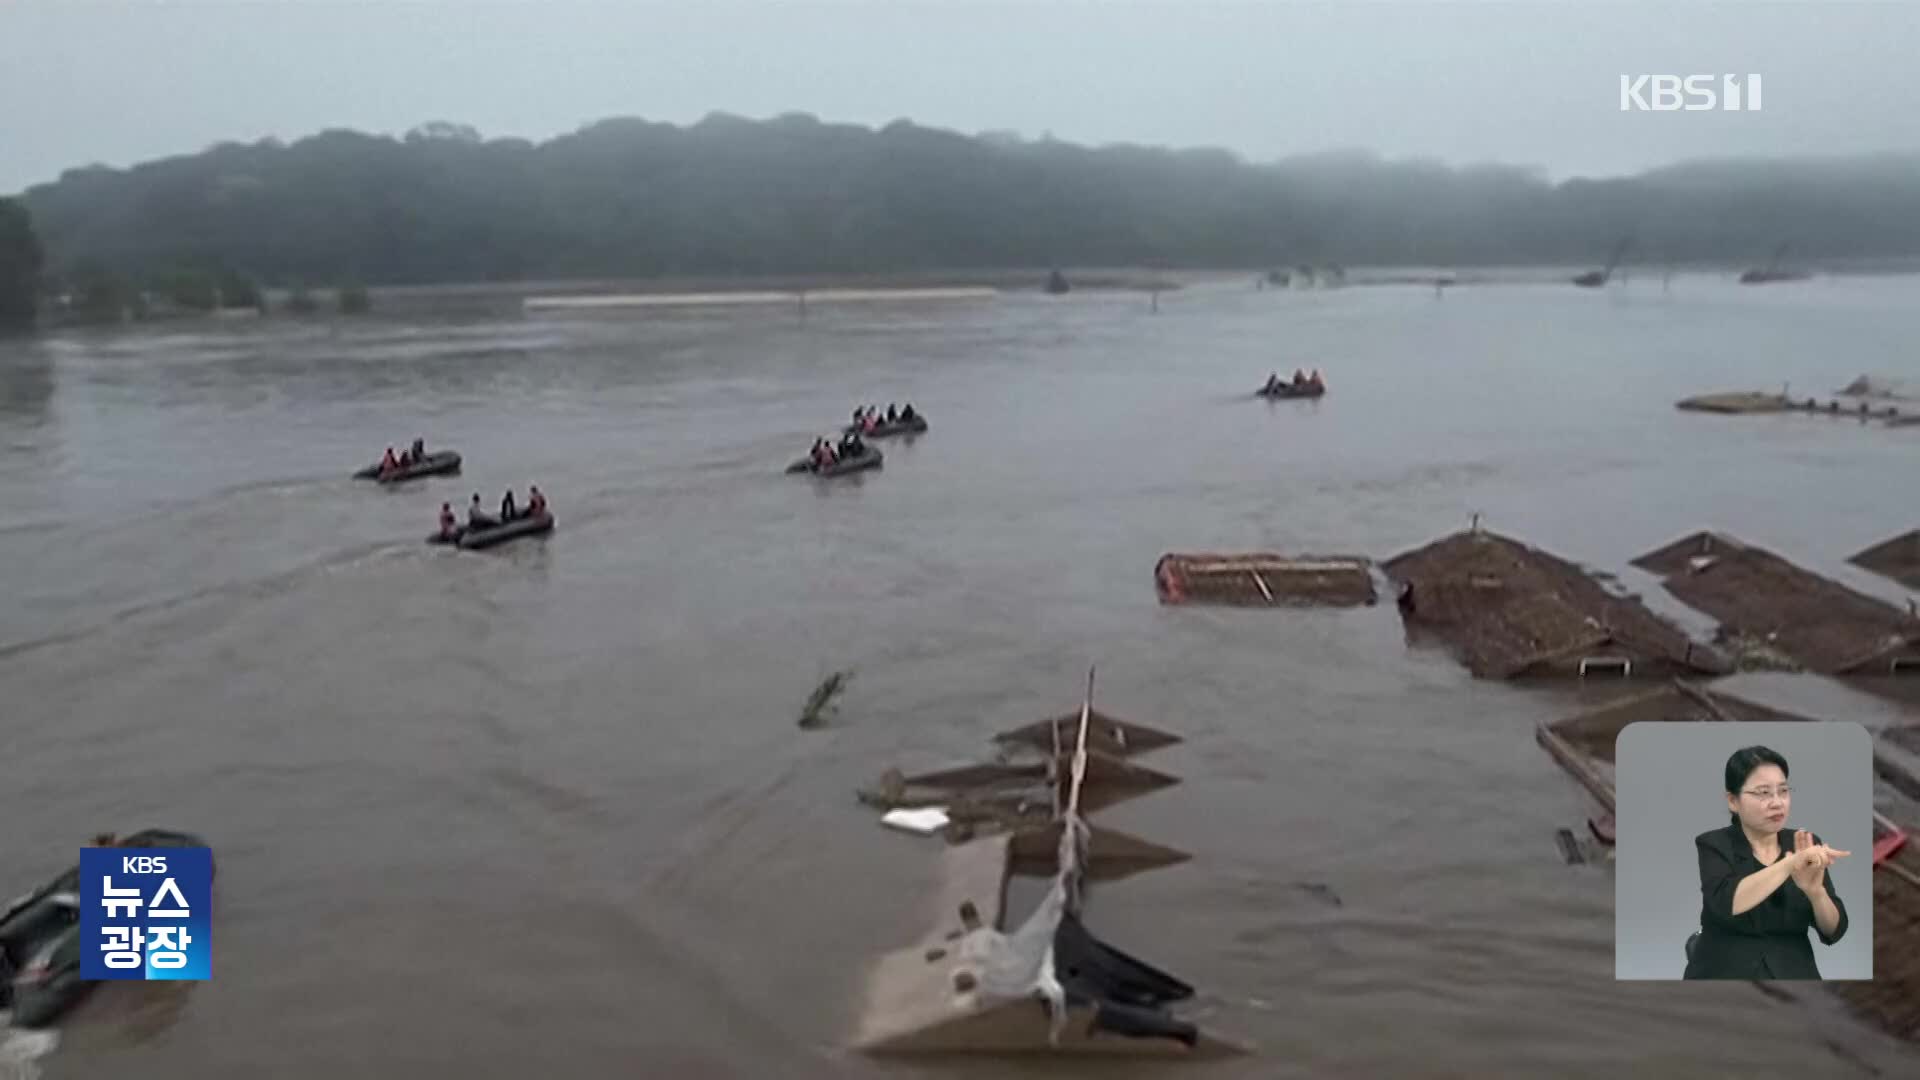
column 727, row 196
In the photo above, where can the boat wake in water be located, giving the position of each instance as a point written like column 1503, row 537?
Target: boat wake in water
column 19, row 1049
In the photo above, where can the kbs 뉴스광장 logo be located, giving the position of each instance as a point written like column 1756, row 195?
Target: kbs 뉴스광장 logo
column 146, row 913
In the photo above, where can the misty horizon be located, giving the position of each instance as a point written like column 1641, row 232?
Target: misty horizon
column 1532, row 86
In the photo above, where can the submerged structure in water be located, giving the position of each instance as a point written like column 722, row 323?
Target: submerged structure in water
column 1264, row 579
column 1759, row 402
column 1510, row 610
column 1773, row 271
column 1760, row 598
column 1897, row 559
column 974, row 986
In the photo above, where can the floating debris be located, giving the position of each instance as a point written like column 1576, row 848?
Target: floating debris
column 1570, row 849
column 819, row 703
column 1510, row 610
column 1758, row 596
column 1321, row 892
column 1264, row 579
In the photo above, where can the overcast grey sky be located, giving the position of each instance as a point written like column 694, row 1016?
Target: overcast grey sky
column 1530, row 83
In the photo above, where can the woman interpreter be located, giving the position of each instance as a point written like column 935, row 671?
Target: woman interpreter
column 1760, row 886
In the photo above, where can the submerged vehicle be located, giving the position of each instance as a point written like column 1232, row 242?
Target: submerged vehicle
column 889, row 427
column 446, row 461
column 869, row 458
column 471, row 539
column 40, row 940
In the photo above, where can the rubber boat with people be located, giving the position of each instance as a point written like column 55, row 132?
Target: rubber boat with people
column 871, row 424
column 468, row 538
column 869, row 457
column 434, row 464
column 40, row 938
column 1278, row 388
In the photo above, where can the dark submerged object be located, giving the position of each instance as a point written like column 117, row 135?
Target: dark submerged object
column 886, row 428
column 870, row 458
column 472, row 539
column 40, row 940
column 1129, row 996
column 1057, row 284
column 446, row 461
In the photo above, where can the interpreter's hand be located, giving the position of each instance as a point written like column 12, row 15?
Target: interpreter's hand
column 1810, row 861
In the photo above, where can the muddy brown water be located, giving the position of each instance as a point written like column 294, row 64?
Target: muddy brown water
column 545, row 808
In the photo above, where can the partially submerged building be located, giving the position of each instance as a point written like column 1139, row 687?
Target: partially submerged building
column 1761, row 598
column 1264, row 579
column 1509, row 610
column 1897, row 559
column 975, row 984
column 1583, row 744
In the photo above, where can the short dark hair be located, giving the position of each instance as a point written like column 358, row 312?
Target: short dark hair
column 1743, row 761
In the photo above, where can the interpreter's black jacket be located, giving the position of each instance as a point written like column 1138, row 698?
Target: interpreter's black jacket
column 1769, row 940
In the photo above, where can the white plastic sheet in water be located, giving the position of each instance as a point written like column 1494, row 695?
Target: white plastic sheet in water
column 923, row 821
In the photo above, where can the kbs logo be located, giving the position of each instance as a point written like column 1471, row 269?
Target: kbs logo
column 144, row 913
column 1689, row 93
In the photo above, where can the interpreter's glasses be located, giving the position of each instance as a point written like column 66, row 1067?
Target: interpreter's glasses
column 1767, row 794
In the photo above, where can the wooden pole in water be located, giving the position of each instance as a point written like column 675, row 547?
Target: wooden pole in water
column 1078, row 773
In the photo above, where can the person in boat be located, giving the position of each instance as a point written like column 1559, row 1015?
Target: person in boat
column 1762, row 887
column 477, row 518
column 1273, row 382
column 507, row 510
column 448, row 523
column 1299, row 378
column 536, row 502
column 893, row 414
column 1315, row 381
column 419, row 449
column 858, row 412
column 870, row 424
column 389, row 463
column 906, row 414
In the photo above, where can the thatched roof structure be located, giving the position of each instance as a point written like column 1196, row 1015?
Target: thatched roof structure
column 1509, row 609
column 1891, row 1001
column 1583, row 744
column 1821, row 624
column 1897, row 559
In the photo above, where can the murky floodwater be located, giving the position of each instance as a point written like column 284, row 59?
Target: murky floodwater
column 545, row 809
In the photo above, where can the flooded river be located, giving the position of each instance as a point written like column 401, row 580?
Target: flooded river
column 545, row 809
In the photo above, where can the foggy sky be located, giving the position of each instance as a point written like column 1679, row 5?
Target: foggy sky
column 1534, row 83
